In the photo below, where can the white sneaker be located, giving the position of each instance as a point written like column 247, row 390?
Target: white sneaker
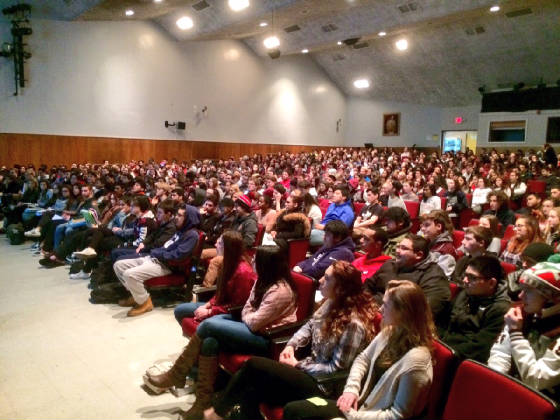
column 80, row 275
column 33, row 233
column 85, row 253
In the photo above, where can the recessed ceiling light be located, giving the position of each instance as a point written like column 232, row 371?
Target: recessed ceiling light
column 263, row 24
column 271, row 42
column 402, row 44
column 382, row 33
column 129, row 12
column 339, row 43
column 238, row 5
column 158, row 1
column 361, row 83
column 494, row 9
column 304, row 51
column 185, row 23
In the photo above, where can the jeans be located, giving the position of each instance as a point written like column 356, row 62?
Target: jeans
column 64, row 229
column 232, row 336
column 186, row 310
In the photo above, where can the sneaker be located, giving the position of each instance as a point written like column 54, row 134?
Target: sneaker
column 80, row 275
column 33, row 233
column 89, row 252
column 36, row 246
column 70, row 260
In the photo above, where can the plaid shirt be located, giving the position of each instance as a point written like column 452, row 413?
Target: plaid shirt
column 328, row 354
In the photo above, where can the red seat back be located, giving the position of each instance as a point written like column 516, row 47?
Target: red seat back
column 445, row 363
column 507, row 267
column 412, row 207
column 458, row 236
column 473, row 222
column 509, row 232
column 260, row 235
column 478, row 392
column 469, row 198
column 503, row 244
column 358, row 207
column 538, row 187
column 305, row 287
column 297, row 249
column 443, row 203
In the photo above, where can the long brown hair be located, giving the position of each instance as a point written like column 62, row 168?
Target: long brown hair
column 415, row 326
column 351, row 301
column 517, row 246
column 234, row 251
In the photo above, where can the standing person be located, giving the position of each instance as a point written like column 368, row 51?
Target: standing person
column 529, row 345
column 392, row 377
column 338, row 331
column 550, row 156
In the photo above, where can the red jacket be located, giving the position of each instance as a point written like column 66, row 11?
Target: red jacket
column 368, row 267
column 238, row 288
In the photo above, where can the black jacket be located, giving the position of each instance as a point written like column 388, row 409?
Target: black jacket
column 160, row 235
column 427, row 274
column 475, row 323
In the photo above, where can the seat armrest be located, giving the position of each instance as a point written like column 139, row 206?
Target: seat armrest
column 235, row 311
column 330, row 378
column 284, row 330
column 204, row 294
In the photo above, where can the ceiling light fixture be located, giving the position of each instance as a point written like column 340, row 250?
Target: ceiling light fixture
column 238, row 5
column 402, row 44
column 495, row 9
column 129, row 12
column 185, row 23
column 271, row 42
column 339, row 43
column 382, row 33
column 304, row 51
column 263, row 24
column 158, row 1
column 361, row 83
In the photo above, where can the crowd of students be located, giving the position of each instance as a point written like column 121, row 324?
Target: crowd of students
column 119, row 225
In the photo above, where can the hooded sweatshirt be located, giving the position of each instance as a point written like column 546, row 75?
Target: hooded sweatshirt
column 316, row 265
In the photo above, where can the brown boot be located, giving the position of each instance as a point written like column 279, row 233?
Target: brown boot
column 129, row 301
column 141, row 309
column 178, row 372
column 207, row 372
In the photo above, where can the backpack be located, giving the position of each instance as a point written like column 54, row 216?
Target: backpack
column 15, row 233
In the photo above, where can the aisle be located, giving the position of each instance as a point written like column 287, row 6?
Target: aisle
column 64, row 358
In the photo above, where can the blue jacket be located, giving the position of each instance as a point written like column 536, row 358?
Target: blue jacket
column 316, row 265
column 343, row 212
column 183, row 242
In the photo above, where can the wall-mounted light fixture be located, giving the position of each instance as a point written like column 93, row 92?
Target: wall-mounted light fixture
column 179, row 124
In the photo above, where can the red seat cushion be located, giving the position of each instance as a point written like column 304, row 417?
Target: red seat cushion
column 271, row 413
column 166, row 281
column 444, row 369
column 189, row 326
column 231, row 363
column 478, row 392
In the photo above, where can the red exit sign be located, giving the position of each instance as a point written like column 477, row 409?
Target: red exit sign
column 458, row 120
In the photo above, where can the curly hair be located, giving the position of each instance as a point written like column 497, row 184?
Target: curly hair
column 351, row 302
column 414, row 326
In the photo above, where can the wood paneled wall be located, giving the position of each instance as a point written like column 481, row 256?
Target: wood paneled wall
column 51, row 150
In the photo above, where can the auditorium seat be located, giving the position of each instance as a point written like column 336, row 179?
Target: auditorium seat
column 358, row 206
column 297, row 250
column 458, row 236
column 480, row 393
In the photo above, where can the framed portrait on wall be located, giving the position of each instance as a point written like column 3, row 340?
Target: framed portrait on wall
column 392, row 124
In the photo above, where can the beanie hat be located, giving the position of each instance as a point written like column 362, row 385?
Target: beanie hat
column 538, row 251
column 244, row 202
column 545, row 277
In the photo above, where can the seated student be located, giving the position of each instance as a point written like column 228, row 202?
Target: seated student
column 338, row 245
column 266, row 215
column 489, row 221
column 534, row 253
column 397, row 223
column 526, row 232
column 61, row 194
column 430, row 200
column 340, row 209
column 390, row 191
column 408, row 194
column 475, row 244
column 370, row 214
column 338, row 331
column 392, row 377
column 438, row 230
column 209, row 215
column 272, row 303
column 480, row 195
column 225, row 221
column 516, row 189
column 373, row 241
column 498, row 202
column 414, row 262
column 456, row 201
column 132, row 273
column 477, row 313
column 290, row 223
column 552, row 230
column 311, row 209
column 529, row 345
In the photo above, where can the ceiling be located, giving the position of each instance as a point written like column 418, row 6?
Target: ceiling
column 455, row 46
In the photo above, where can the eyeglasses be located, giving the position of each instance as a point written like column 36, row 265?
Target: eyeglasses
column 471, row 277
column 404, row 248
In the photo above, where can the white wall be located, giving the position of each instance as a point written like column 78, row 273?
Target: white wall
column 535, row 131
column 364, row 123
column 468, row 113
column 123, row 79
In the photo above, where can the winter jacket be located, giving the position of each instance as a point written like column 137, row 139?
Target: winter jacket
column 343, row 212
column 395, row 238
column 369, row 266
column 143, row 226
column 427, row 274
column 208, row 222
column 316, row 265
column 248, row 227
column 475, row 322
column 504, row 215
column 457, row 200
column 533, row 354
column 237, row 289
column 182, row 243
column 224, row 222
column 445, row 251
column 293, row 225
column 159, row 236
